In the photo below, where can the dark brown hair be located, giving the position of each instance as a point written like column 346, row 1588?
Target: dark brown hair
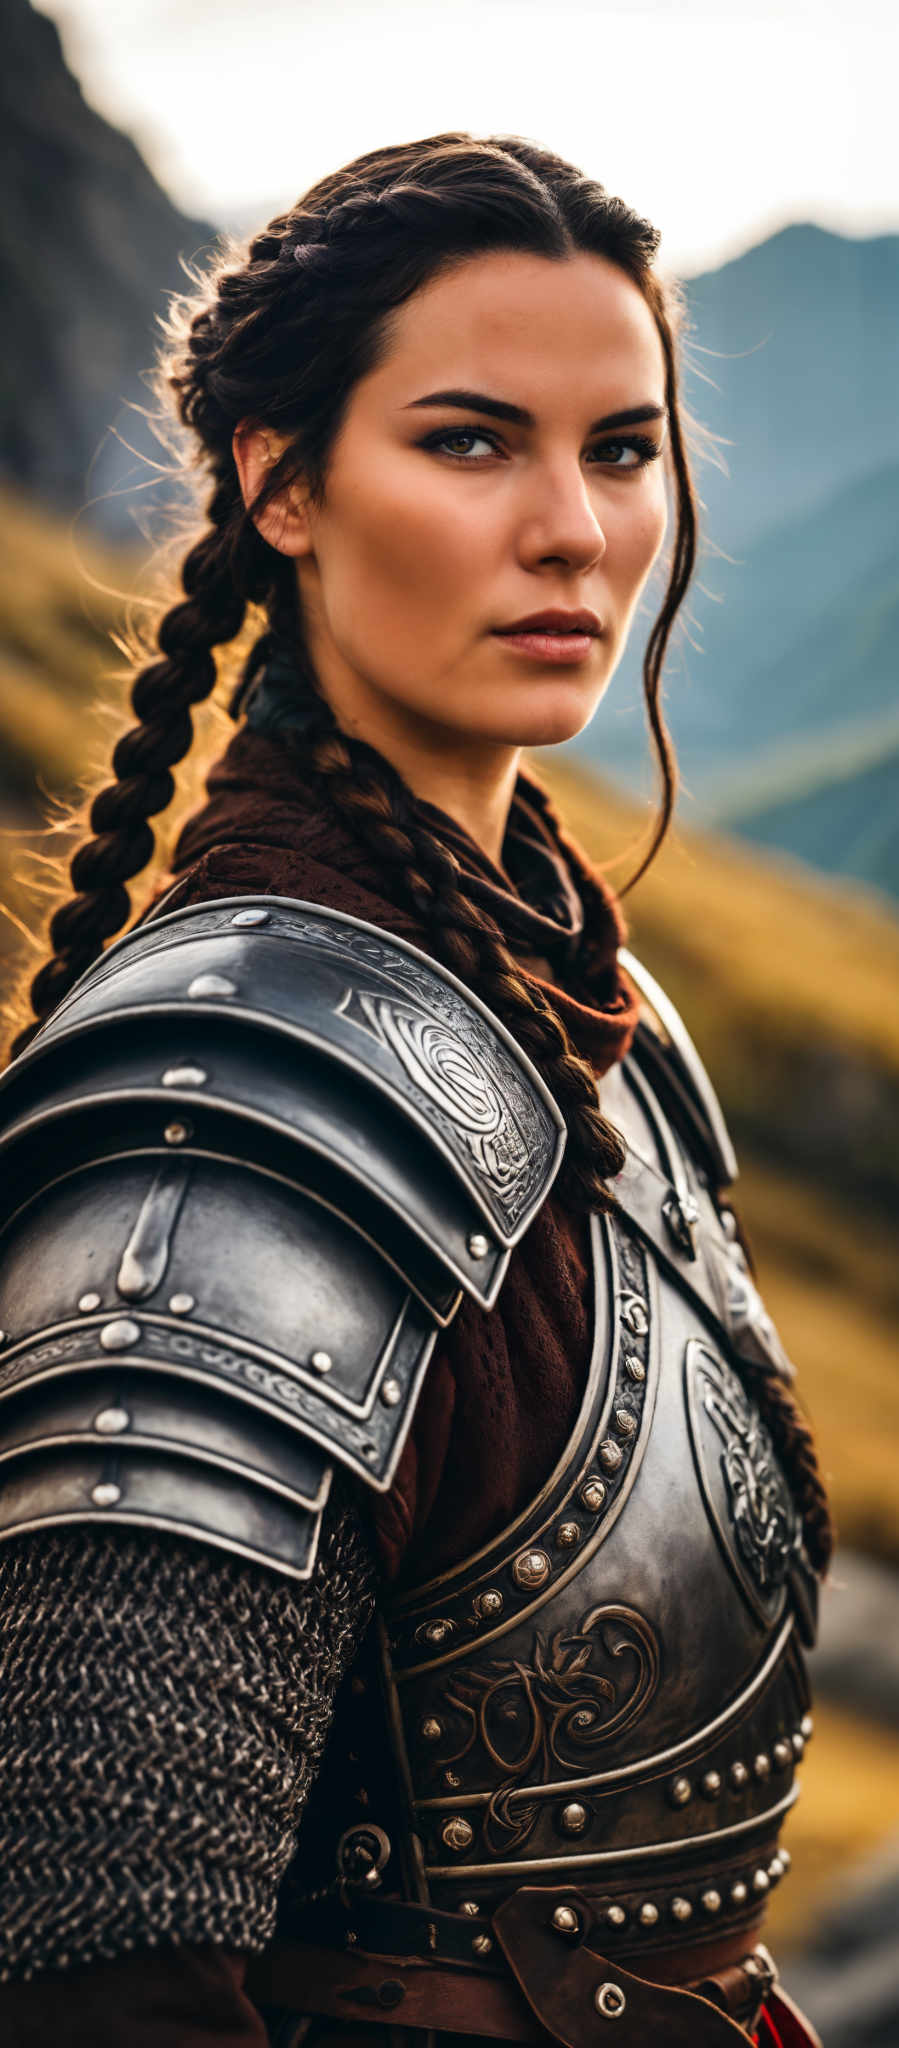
column 282, row 339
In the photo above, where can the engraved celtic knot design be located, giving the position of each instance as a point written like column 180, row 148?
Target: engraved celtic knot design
column 765, row 1523
column 534, row 1721
column 446, row 1070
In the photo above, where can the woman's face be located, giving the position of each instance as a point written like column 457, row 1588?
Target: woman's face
column 443, row 523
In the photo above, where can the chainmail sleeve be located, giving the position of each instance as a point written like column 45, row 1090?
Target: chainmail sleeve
column 163, row 1709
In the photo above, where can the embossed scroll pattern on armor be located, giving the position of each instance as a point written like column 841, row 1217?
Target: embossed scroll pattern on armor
column 764, row 1520
column 553, row 1715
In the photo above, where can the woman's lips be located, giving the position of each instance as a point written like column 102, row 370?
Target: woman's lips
column 564, row 649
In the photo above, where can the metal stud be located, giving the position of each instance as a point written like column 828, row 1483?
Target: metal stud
column 775, row 1869
column 711, row 1784
column 469, row 1907
column 635, row 1369
column 609, row 1455
column 635, row 1316
column 616, row 1916
column 478, row 1245
column 106, row 1495
column 120, row 1334
column 111, row 1421
column 739, row 1776
column 435, row 1631
column 761, row 1881
column 573, row 1818
column 87, row 1303
column 211, row 985
column 249, row 917
column 431, row 1728
column 184, row 1077
column 739, row 1893
column 648, row 1914
column 681, row 1909
column 488, row 1603
column 798, row 1741
column 610, row 2001
column 782, row 1754
column 457, row 1833
column 566, row 1921
column 177, row 1133
column 452, row 1779
column 482, row 1945
column 567, row 1535
column 531, row 1569
column 592, row 1494
column 807, row 1727
column 761, row 1765
column 391, row 1393
column 680, row 1792
column 181, row 1304
column 711, row 1900
column 625, row 1423
column 321, row 1362
column 785, row 1860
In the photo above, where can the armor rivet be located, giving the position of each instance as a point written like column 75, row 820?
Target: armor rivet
column 565, row 1921
column 573, row 1818
column 184, row 1077
column 106, row 1495
column 470, row 1908
column 211, row 985
column 488, row 1603
column 609, row 1455
column 177, row 1134
column 250, row 917
column 711, row 1784
column 635, row 1369
column 111, row 1421
column 634, row 1314
column 2, row 1337
column 739, row 1893
column 482, row 1945
column 437, row 1631
column 531, row 1569
column 87, row 1303
column 739, row 1776
column 592, row 1494
column 452, row 1779
column 625, row 1423
column 431, row 1729
column 807, row 1727
column 457, row 1833
column 181, row 1304
column 119, row 1335
column 616, row 1916
column 775, row 1869
column 648, row 1914
column 782, row 1754
column 798, row 1746
column 321, row 1361
column 391, row 1393
column 567, row 1535
column 610, row 2001
column 711, row 1900
column 478, row 1245
column 681, row 1792
column 761, row 1765
column 785, row 1860
column 681, row 1909
column 760, row 1881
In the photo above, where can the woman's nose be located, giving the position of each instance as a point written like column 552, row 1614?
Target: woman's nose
column 561, row 521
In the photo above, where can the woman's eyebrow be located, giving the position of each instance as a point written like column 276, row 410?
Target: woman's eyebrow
column 517, row 416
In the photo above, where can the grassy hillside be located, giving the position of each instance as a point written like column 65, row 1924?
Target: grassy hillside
column 789, row 989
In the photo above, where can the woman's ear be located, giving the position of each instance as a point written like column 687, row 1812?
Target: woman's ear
column 283, row 521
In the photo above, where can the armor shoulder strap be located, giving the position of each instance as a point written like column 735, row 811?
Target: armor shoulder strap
column 248, row 1168
column 663, row 1044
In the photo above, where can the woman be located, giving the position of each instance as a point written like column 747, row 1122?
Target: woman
column 332, row 1333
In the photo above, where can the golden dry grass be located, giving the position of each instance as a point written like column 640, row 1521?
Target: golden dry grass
column 847, row 1809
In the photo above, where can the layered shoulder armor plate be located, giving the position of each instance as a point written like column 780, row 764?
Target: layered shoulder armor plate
column 249, row 1168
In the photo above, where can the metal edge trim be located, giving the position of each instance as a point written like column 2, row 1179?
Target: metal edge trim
column 186, row 1454
column 673, row 1023
column 604, row 1858
column 117, row 1516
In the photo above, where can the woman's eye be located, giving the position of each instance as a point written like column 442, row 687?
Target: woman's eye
column 640, row 446
column 457, row 434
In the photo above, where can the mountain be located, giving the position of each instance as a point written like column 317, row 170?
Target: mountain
column 89, row 245
column 846, row 824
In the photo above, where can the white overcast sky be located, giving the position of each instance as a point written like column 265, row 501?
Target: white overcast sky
column 721, row 121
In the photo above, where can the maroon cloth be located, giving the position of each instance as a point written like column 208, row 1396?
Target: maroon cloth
column 503, row 1389
column 155, row 1998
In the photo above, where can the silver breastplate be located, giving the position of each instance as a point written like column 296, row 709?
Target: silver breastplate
column 612, row 1692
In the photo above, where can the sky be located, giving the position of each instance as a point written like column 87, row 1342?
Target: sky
column 720, row 122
